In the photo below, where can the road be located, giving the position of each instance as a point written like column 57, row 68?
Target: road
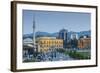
column 52, row 56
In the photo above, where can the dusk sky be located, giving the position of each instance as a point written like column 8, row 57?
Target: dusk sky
column 47, row 21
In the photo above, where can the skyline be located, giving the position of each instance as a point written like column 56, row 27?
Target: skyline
column 51, row 21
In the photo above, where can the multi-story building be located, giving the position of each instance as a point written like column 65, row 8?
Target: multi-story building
column 63, row 36
column 49, row 43
column 74, row 36
column 84, row 43
column 74, row 40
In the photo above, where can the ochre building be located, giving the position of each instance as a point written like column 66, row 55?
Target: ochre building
column 49, row 43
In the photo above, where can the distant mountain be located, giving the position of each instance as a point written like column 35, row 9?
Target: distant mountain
column 41, row 34
column 54, row 34
column 84, row 33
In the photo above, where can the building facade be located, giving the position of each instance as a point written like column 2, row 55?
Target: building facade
column 49, row 43
column 74, row 36
column 74, row 40
column 63, row 36
column 84, row 43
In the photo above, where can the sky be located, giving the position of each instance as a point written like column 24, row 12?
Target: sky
column 54, row 21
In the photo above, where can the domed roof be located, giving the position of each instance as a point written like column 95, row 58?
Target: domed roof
column 28, row 40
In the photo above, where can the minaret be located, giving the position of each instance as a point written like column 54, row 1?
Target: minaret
column 34, row 30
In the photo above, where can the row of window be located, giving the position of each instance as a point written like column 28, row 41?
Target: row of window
column 49, row 42
column 51, row 45
column 42, row 50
